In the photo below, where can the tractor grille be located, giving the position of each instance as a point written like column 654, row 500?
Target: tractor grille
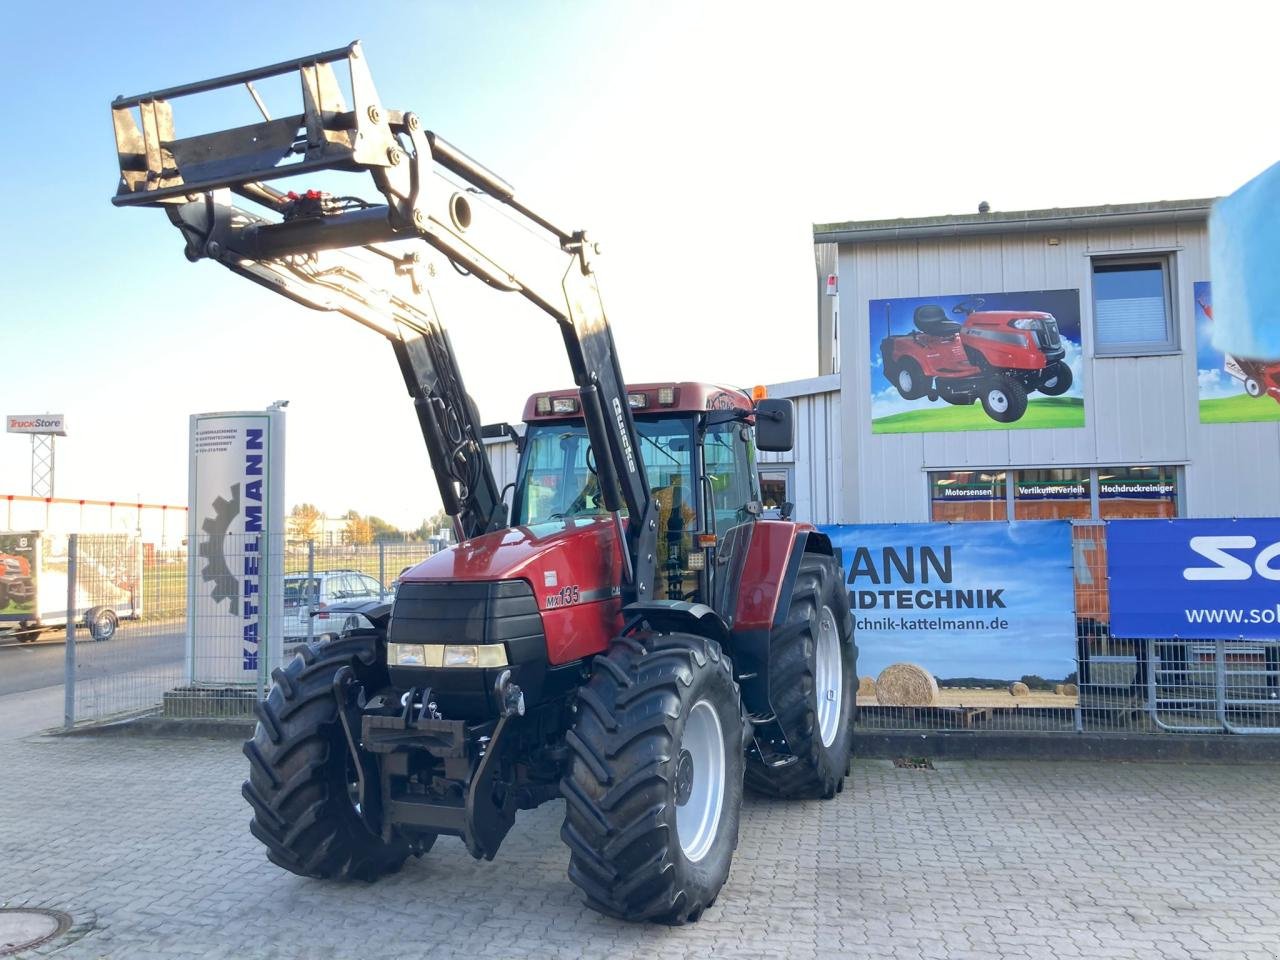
column 447, row 612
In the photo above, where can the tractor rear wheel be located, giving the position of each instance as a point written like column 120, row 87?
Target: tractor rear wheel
column 654, row 790
column 1252, row 387
column 301, row 771
column 812, row 670
column 1004, row 399
column 1056, row 380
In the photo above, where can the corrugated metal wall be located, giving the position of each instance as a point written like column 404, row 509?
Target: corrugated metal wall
column 815, row 465
column 1137, row 410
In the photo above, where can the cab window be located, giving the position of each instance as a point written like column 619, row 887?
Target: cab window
column 728, row 452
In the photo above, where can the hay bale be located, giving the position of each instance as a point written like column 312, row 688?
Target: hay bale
column 1019, row 689
column 866, row 687
column 1059, row 689
column 906, row 685
column 1070, row 690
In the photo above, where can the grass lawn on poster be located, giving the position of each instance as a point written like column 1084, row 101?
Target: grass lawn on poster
column 1239, row 409
column 1042, row 413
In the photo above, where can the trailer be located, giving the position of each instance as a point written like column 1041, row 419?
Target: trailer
column 33, row 583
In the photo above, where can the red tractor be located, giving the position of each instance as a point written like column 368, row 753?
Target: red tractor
column 629, row 635
column 996, row 357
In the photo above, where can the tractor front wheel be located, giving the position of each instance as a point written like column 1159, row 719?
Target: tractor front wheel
column 1056, row 380
column 1004, row 399
column 1252, row 387
column 302, row 775
column 812, row 670
column 654, row 790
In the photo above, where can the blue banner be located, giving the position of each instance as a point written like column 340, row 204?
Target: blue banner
column 991, row 601
column 1199, row 579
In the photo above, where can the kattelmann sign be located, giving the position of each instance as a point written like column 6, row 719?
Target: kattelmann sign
column 963, row 600
column 1198, row 579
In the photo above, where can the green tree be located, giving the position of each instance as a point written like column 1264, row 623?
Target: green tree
column 383, row 530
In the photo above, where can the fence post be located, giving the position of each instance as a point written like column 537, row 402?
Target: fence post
column 311, row 577
column 382, row 570
column 69, row 661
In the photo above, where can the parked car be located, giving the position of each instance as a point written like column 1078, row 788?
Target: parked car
column 314, row 597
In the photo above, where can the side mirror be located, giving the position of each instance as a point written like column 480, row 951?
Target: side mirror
column 775, row 425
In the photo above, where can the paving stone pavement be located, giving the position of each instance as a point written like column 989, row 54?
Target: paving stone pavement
column 145, row 843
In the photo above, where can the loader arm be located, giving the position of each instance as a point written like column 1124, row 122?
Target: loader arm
column 343, row 254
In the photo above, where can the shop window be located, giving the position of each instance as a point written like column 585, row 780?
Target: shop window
column 1052, row 495
column 1137, row 492
column 1132, row 307
column 968, row 495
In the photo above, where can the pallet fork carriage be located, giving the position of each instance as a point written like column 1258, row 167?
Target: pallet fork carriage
column 541, row 657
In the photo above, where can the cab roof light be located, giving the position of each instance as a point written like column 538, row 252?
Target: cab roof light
column 637, row 401
column 666, row 396
column 758, row 392
column 564, row 405
column 543, row 406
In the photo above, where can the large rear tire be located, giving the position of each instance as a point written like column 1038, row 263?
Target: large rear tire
column 910, row 380
column 655, row 787
column 812, row 670
column 300, row 770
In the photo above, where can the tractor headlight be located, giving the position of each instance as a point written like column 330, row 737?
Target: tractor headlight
column 1023, row 323
column 406, row 655
column 446, row 655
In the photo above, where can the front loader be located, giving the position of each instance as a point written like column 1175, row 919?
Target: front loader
column 628, row 635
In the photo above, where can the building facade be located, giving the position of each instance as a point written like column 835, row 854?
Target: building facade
column 1136, row 433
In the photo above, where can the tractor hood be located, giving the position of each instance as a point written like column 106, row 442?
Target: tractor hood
column 581, row 555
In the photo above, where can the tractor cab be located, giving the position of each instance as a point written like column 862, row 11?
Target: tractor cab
column 698, row 446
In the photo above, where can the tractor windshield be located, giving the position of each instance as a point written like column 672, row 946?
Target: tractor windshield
column 558, row 470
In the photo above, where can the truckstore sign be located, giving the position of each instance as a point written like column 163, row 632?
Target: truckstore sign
column 54, row 424
column 235, row 546
column 1195, row 579
column 973, row 603
column 1232, row 389
column 988, row 361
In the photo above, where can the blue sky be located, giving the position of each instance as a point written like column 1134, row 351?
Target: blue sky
column 698, row 142
column 1030, row 561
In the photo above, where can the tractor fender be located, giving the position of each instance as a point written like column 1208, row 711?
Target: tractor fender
column 679, row 616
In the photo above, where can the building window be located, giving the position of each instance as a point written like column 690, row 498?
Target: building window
column 1076, row 493
column 1137, row 492
column 1132, row 307
column 969, row 495
column 1052, row 495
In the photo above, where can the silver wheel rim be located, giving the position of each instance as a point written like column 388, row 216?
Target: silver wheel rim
column 905, row 381
column 828, row 677
column 997, row 400
column 700, row 781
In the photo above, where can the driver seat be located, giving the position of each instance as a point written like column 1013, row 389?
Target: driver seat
column 931, row 320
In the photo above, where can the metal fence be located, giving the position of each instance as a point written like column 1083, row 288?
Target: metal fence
column 142, row 644
column 203, row 654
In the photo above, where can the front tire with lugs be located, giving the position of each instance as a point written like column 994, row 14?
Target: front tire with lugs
column 300, row 770
column 654, row 792
column 812, row 686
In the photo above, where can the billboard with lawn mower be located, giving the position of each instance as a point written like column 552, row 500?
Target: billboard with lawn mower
column 1232, row 389
column 988, row 361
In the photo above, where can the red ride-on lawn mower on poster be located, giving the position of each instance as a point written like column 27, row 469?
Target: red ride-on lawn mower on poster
column 995, row 356
column 1261, row 378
